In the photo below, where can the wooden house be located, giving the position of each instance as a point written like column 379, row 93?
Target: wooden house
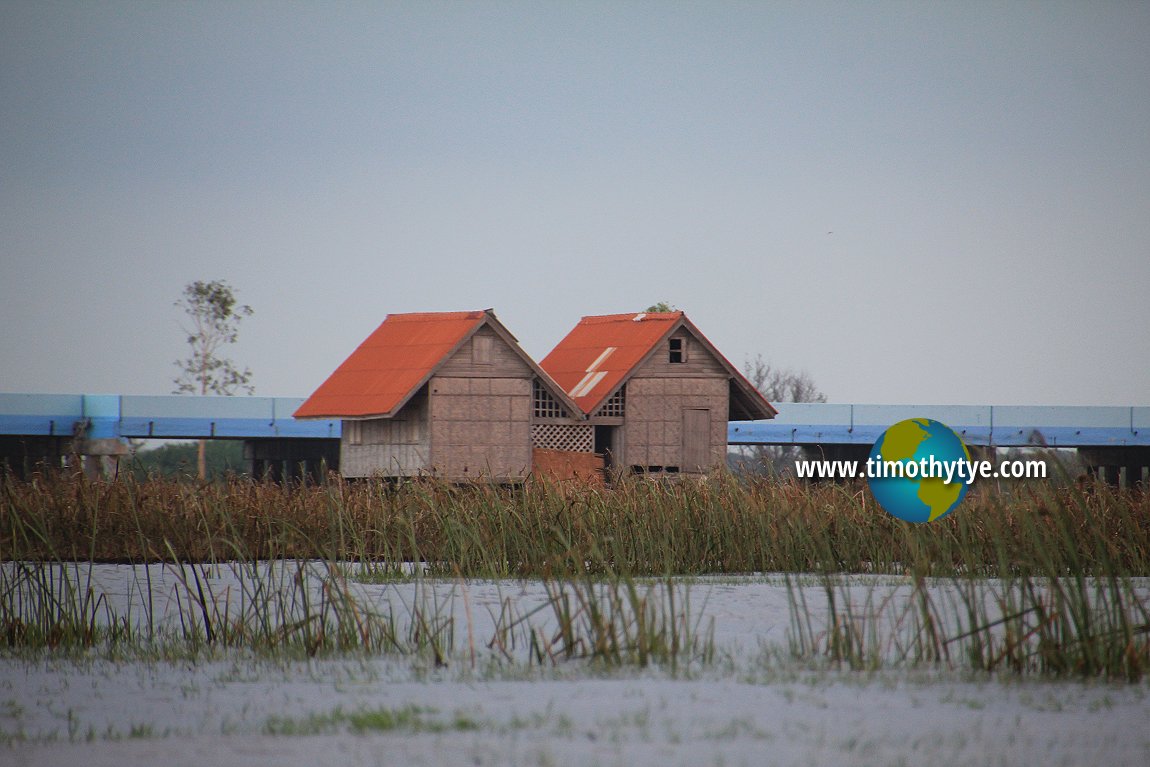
column 656, row 391
column 447, row 394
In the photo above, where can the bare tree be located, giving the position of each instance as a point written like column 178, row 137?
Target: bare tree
column 213, row 321
column 778, row 385
column 782, row 384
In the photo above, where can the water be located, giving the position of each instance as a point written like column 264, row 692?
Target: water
column 752, row 703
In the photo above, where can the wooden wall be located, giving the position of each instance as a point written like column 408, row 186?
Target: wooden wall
column 481, row 405
column 503, row 361
column 658, row 394
column 700, row 362
column 481, row 427
column 653, row 426
column 397, row 447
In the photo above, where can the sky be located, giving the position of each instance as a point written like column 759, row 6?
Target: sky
column 913, row 202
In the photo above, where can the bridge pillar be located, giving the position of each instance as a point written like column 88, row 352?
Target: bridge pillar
column 1111, row 474
column 100, row 457
column 291, row 459
column 1119, row 466
column 983, row 453
column 23, row 456
column 858, row 453
column 1133, row 475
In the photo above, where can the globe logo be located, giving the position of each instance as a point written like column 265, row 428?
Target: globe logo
column 916, row 490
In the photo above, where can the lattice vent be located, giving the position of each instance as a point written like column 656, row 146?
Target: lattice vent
column 545, row 404
column 615, row 406
column 576, row 437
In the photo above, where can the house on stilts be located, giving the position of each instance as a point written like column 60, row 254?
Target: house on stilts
column 656, row 392
column 449, row 395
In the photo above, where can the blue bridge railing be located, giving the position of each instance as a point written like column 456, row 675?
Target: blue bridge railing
column 99, row 416
column 178, row 417
column 982, row 425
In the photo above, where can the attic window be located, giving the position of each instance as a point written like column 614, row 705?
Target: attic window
column 545, row 404
column 615, row 407
column 481, row 350
column 676, row 350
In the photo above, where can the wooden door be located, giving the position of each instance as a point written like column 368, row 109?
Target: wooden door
column 696, row 440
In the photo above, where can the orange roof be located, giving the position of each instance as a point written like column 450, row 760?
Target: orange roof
column 600, row 353
column 390, row 365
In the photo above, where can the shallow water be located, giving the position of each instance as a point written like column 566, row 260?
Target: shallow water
column 739, row 613
column 754, row 704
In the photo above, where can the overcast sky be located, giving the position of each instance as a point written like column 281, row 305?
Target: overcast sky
column 933, row 203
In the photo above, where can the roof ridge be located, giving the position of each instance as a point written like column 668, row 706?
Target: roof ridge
column 461, row 315
column 594, row 318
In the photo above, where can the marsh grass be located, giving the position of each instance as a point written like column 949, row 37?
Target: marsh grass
column 640, row 528
column 613, row 622
column 364, row 721
column 1037, row 579
column 254, row 593
column 1019, row 625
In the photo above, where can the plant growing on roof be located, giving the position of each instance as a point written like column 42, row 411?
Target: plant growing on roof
column 660, row 308
column 213, row 321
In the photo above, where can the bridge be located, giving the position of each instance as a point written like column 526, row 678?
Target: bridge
column 1112, row 440
column 979, row 425
column 48, row 428
column 52, row 426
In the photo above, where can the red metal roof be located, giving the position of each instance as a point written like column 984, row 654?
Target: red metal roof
column 383, row 372
column 600, row 352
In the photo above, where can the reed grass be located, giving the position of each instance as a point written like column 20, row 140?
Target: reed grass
column 1031, row 579
column 639, row 528
column 1019, row 626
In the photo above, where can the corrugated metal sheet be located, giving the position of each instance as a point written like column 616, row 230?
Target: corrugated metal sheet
column 390, row 364
column 600, row 352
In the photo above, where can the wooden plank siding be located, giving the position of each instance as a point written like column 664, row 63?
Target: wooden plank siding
column 391, row 447
column 502, row 360
column 481, row 427
column 481, row 405
column 699, row 361
column 696, row 439
column 665, row 398
column 653, row 428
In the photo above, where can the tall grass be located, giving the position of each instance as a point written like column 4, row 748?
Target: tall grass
column 639, row 528
column 616, row 622
column 1031, row 579
column 1019, row 625
column 242, row 576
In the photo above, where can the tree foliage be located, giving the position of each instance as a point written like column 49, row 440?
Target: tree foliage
column 213, row 321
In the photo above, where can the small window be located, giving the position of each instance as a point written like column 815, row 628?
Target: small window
column 481, row 350
column 354, row 431
column 677, row 350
